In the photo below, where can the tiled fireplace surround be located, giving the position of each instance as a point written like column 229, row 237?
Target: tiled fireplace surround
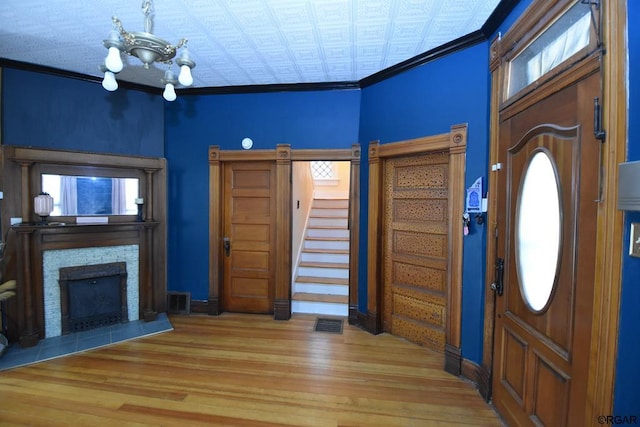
column 54, row 260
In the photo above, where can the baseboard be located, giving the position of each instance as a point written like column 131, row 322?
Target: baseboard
column 282, row 309
column 200, row 306
column 470, row 371
column 479, row 375
column 484, row 383
column 452, row 360
column 353, row 315
column 366, row 321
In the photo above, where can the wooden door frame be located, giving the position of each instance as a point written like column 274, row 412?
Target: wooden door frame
column 283, row 155
column 455, row 143
column 607, row 286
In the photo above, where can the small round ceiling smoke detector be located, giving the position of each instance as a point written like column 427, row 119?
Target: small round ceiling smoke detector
column 247, row 143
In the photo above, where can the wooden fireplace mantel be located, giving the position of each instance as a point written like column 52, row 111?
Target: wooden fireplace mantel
column 33, row 240
column 21, row 174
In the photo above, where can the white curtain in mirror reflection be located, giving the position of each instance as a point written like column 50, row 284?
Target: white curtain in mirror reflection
column 86, row 195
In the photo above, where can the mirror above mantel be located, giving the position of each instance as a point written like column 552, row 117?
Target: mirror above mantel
column 82, row 184
column 91, row 195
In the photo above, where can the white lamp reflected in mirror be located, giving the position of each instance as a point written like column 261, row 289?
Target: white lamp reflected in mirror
column 43, row 206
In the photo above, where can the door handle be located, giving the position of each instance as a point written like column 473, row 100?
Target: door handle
column 498, row 285
column 226, row 243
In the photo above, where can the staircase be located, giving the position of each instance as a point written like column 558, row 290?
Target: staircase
column 321, row 284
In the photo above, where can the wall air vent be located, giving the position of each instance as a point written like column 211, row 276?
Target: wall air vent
column 179, row 302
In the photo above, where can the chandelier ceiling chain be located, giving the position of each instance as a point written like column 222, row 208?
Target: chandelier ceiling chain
column 149, row 49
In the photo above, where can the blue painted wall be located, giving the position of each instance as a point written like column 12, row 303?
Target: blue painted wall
column 47, row 111
column 627, row 388
column 319, row 119
column 425, row 101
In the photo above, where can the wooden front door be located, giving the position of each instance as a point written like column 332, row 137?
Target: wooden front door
column 249, row 236
column 416, row 249
column 547, row 211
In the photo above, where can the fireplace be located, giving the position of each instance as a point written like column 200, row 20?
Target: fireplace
column 55, row 260
column 93, row 296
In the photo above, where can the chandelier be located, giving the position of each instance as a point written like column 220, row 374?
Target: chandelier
column 148, row 49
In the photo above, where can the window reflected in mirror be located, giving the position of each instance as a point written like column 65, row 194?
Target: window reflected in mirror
column 86, row 195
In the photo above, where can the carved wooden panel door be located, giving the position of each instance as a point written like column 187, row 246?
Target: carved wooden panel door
column 249, row 236
column 547, row 236
column 416, row 253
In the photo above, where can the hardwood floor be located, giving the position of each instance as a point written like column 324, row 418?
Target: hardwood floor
column 245, row 370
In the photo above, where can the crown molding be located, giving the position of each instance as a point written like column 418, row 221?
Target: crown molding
column 500, row 13
column 438, row 52
column 25, row 66
column 292, row 87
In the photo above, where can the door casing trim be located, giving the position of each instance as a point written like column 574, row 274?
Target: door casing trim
column 283, row 155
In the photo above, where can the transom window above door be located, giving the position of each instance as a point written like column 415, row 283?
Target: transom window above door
column 560, row 41
column 323, row 169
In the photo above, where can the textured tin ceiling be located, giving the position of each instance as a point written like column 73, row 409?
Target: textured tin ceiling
column 242, row 42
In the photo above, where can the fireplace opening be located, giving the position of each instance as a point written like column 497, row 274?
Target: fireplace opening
column 93, row 296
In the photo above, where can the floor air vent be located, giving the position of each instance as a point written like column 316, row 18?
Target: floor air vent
column 179, row 302
column 331, row 326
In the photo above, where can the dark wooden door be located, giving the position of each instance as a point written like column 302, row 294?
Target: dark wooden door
column 548, row 188
column 249, row 237
column 416, row 249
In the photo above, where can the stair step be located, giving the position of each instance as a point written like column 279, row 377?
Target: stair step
column 322, row 244
column 320, row 308
column 323, row 280
column 321, row 288
column 327, row 251
column 338, row 273
column 328, row 222
column 328, row 238
column 329, row 213
column 331, row 203
column 327, row 227
column 328, row 232
column 324, row 264
column 338, row 299
column 333, row 214
column 320, row 256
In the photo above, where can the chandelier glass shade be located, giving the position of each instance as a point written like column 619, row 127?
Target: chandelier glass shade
column 149, row 49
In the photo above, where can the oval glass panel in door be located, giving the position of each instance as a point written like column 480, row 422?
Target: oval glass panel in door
column 538, row 230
